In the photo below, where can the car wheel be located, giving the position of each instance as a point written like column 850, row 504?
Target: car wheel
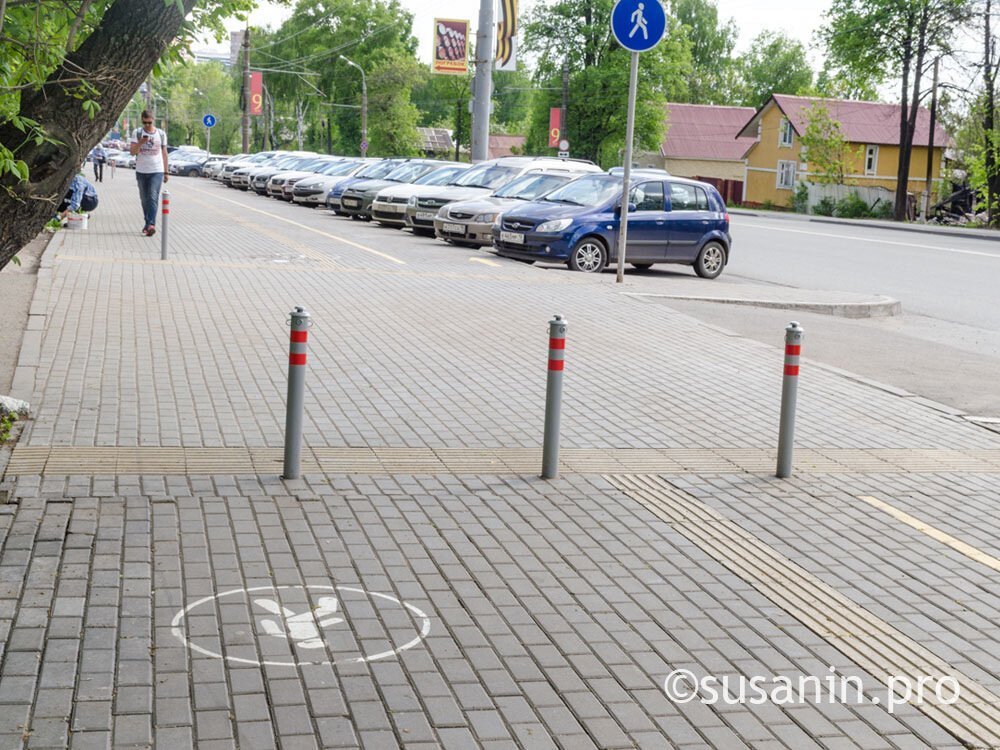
column 642, row 266
column 711, row 260
column 589, row 256
column 190, row 173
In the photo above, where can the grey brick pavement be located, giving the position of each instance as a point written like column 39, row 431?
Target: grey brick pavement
column 556, row 609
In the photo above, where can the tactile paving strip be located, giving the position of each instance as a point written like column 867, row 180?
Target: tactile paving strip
column 873, row 644
column 69, row 460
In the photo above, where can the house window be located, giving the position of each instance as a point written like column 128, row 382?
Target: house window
column 786, row 175
column 785, row 133
column 871, row 159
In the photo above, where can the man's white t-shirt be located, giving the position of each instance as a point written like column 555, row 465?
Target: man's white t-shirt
column 150, row 156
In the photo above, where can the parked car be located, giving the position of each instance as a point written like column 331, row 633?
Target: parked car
column 671, row 220
column 357, row 199
column 225, row 176
column 479, row 181
column 188, row 166
column 471, row 222
column 258, row 176
column 275, row 186
column 373, row 171
column 389, row 206
column 120, row 159
column 214, row 163
column 312, row 191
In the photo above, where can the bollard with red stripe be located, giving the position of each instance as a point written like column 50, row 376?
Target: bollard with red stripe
column 163, row 220
column 553, row 397
column 789, row 398
column 300, row 322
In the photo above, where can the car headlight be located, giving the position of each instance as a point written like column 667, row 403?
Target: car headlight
column 485, row 218
column 412, row 201
column 497, row 220
column 554, row 226
column 442, row 213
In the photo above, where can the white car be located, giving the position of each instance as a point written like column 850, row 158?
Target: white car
column 280, row 185
column 311, row 191
column 389, row 206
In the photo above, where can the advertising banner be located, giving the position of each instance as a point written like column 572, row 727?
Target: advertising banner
column 555, row 115
column 451, row 47
column 256, row 93
column 506, row 57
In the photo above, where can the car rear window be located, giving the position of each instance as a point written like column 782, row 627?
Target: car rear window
column 688, row 198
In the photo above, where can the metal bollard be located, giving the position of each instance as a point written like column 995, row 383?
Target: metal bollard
column 165, row 215
column 553, row 397
column 294, row 406
column 789, row 396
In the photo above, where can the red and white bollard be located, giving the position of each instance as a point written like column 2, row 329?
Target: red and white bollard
column 789, row 398
column 553, row 397
column 164, row 214
column 299, row 337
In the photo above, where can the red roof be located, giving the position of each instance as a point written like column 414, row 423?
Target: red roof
column 503, row 145
column 860, row 122
column 703, row 131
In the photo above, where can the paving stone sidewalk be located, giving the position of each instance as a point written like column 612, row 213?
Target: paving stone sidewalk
column 428, row 608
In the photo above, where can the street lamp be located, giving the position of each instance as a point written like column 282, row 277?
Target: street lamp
column 364, row 106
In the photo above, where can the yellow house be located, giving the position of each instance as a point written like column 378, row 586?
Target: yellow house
column 776, row 162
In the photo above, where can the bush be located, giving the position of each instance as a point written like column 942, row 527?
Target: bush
column 800, row 200
column 851, row 206
column 882, row 210
column 825, row 207
column 767, row 205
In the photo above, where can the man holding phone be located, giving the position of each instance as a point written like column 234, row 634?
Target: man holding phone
column 149, row 147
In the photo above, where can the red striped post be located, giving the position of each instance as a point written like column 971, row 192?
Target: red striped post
column 553, row 397
column 789, row 399
column 298, row 339
column 166, row 214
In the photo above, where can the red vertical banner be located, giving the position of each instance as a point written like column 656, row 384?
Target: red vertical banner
column 554, row 131
column 256, row 93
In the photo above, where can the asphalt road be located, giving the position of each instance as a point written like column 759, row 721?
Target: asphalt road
column 944, row 346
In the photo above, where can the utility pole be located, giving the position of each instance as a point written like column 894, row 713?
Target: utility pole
column 565, row 100
column 246, row 90
column 484, row 83
column 930, row 140
column 458, row 125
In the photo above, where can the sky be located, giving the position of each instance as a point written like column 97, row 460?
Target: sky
column 798, row 19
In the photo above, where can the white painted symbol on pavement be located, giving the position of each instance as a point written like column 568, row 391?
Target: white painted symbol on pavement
column 639, row 23
column 308, row 626
column 302, row 628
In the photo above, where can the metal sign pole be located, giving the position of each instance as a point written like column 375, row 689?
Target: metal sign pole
column 633, row 81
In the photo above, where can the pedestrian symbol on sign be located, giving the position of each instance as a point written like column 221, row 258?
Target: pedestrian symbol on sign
column 640, row 23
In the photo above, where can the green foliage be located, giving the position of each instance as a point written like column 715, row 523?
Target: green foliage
column 774, row 64
column 190, row 91
column 392, row 119
column 825, row 206
column 768, row 205
column 6, row 425
column 800, row 199
column 712, row 42
column 576, row 31
column 307, row 74
column 826, row 148
column 852, row 206
column 882, row 210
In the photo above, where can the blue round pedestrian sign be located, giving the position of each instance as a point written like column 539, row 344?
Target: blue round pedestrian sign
column 209, row 120
column 638, row 25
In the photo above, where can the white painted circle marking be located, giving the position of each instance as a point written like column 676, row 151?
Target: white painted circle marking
column 304, row 628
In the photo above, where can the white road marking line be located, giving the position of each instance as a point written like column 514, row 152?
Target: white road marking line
column 486, row 262
column 956, row 544
column 303, row 226
column 995, row 256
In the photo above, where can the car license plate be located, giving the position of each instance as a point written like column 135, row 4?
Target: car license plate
column 425, row 215
column 515, row 238
column 352, row 202
column 453, row 228
column 392, row 208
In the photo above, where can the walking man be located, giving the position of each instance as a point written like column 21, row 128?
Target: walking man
column 99, row 156
column 149, row 147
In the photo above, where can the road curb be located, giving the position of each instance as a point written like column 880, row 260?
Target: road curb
column 922, row 229
column 880, row 307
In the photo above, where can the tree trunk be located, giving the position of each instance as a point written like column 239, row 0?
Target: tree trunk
column 899, row 211
column 115, row 59
column 906, row 145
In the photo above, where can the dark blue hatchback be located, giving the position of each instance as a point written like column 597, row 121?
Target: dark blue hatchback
column 671, row 220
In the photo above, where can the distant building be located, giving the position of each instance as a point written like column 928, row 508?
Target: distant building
column 701, row 141
column 775, row 162
column 505, row 145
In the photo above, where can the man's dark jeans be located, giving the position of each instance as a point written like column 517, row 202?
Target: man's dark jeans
column 149, row 194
